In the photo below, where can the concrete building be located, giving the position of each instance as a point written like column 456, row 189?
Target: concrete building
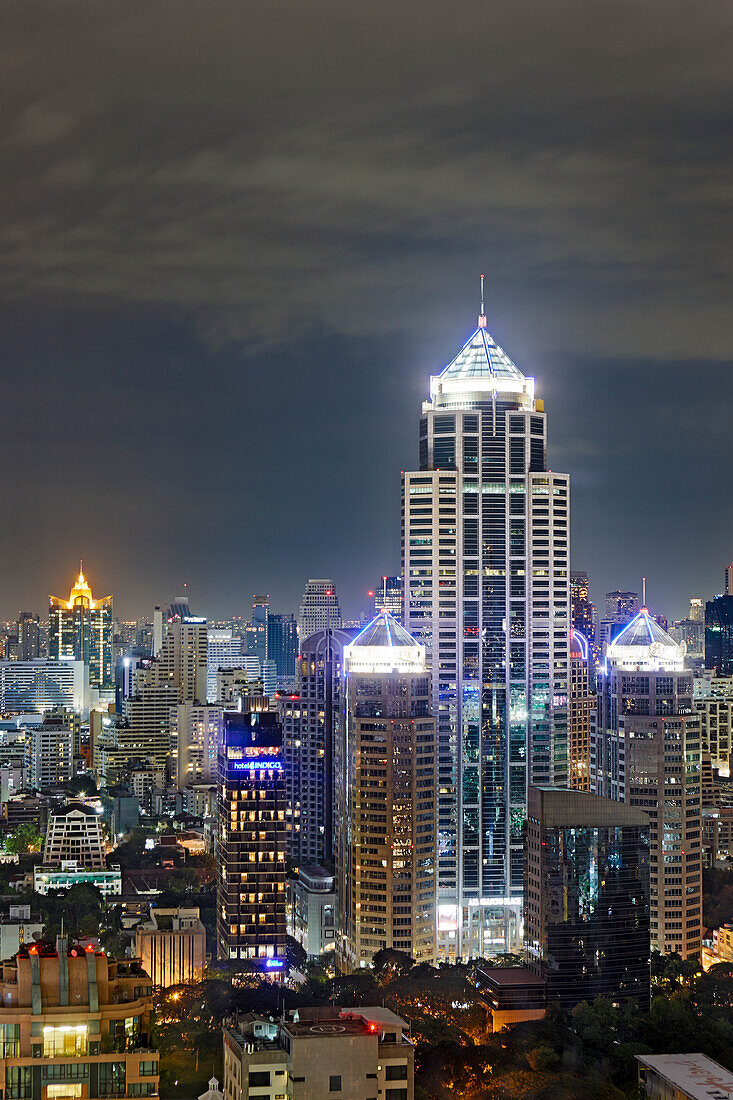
column 47, row 878
column 76, row 1024
column 75, row 833
column 486, row 590
column 312, row 912
column 682, row 1077
column 581, row 700
column 243, row 682
column 29, row 636
column 712, row 698
column 582, row 611
column 319, row 609
column 81, row 629
column 359, row 1053
column 251, row 842
column 43, row 685
column 310, row 718
column 50, row 754
column 223, row 650
column 587, row 897
column 183, row 658
column 196, row 736
column 385, row 799
column 646, row 751
column 171, row 946
column 18, row 926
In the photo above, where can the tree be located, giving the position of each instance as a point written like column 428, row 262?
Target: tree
column 82, row 784
column 26, row 838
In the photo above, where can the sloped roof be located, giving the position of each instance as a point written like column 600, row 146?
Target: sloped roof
column 481, row 357
column 643, row 631
column 384, row 630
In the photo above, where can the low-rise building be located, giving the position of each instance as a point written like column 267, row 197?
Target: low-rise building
column 719, row 948
column 312, row 911
column 172, row 946
column 359, row 1053
column 683, row 1077
column 75, row 1023
column 75, row 833
column 18, row 926
column 62, row 877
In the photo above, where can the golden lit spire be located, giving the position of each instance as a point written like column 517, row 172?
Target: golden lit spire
column 81, row 593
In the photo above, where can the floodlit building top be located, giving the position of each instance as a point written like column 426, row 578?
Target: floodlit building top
column 384, row 646
column 643, row 644
column 481, row 365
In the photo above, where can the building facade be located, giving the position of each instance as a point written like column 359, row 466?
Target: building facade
column 581, row 700
column 646, row 751
column 81, row 629
column 385, row 799
column 171, row 946
column 582, row 611
column 319, row 608
column 251, row 883
column 719, row 634
column 197, row 734
column 49, row 754
column 76, row 1023
column 41, row 686
column 486, row 532
column 312, row 912
column 388, row 597
column 223, row 650
column 75, row 833
column 587, row 897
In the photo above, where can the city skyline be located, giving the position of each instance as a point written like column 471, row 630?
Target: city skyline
column 208, row 259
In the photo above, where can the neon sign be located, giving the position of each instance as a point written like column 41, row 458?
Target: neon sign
column 274, row 964
column 264, row 764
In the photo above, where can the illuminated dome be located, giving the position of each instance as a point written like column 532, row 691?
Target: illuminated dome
column 643, row 643
column 481, row 365
column 384, row 646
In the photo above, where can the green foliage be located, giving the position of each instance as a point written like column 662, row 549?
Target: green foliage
column 82, row 784
column 24, row 839
column 81, row 908
column 717, row 897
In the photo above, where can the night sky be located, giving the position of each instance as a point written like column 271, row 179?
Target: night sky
column 237, row 238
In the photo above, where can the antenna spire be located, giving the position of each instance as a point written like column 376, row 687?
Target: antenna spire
column 643, row 592
column 482, row 314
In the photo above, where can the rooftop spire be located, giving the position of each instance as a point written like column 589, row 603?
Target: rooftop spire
column 482, row 314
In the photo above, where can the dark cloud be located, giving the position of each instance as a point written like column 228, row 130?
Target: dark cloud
column 237, row 237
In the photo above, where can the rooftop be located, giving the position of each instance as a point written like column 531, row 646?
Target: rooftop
column 481, row 366
column 384, row 646
column 695, row 1075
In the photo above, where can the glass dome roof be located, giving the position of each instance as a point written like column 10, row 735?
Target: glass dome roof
column 481, row 357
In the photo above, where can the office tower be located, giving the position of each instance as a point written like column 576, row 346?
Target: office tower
column 312, row 912
column 223, row 650
column 43, row 685
column 646, row 751
column 697, row 610
column 80, row 629
column 319, row 609
column 582, row 611
column 388, row 597
column 719, row 633
column 245, row 681
column 251, row 842
column 485, row 567
column 183, row 658
column 581, row 700
column 385, row 799
column 29, row 636
column 196, row 733
column 76, row 1019
column 310, row 717
column 359, row 1053
column 712, row 698
column 282, row 644
column 255, row 631
column 692, row 633
column 622, row 606
column 587, row 903
column 171, row 946
column 75, row 833
column 49, row 754
column 144, row 730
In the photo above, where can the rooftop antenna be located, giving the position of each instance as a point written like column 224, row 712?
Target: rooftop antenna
column 482, row 314
column 643, row 592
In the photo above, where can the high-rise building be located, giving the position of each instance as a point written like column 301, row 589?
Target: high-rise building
column 582, row 611
column 223, row 650
column 49, row 754
column 587, row 897
column 80, row 629
column 646, row 751
column 282, row 644
column 197, row 734
column 76, row 1019
column 486, row 590
column 75, row 833
column 719, row 633
column 385, row 798
column 388, row 597
column 712, row 698
column 622, row 606
column 29, row 636
column 183, row 658
column 581, row 700
column 43, row 686
column 255, row 631
column 310, row 717
column 697, row 610
column 251, row 842
column 319, row 609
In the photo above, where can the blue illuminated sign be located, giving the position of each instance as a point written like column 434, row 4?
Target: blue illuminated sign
column 265, row 763
column 274, row 964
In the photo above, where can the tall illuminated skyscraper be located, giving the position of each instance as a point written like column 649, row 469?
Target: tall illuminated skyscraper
column 80, row 629
column 485, row 567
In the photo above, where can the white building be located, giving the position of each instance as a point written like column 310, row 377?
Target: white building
column 43, row 685
column 646, row 750
column 224, row 650
column 312, row 911
column 18, row 926
column 75, row 833
column 183, row 658
column 47, row 879
column 486, row 532
column 49, row 754
column 197, row 733
column 319, row 608
column 713, row 700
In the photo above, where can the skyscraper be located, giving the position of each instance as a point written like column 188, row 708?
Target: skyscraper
column 719, row 632
column 385, row 796
column 29, row 636
column 581, row 700
column 587, row 910
column 646, row 751
column 485, row 567
column 388, row 596
column 282, row 644
column 319, row 608
column 80, row 628
column 582, row 611
column 251, row 842
column 223, row 650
